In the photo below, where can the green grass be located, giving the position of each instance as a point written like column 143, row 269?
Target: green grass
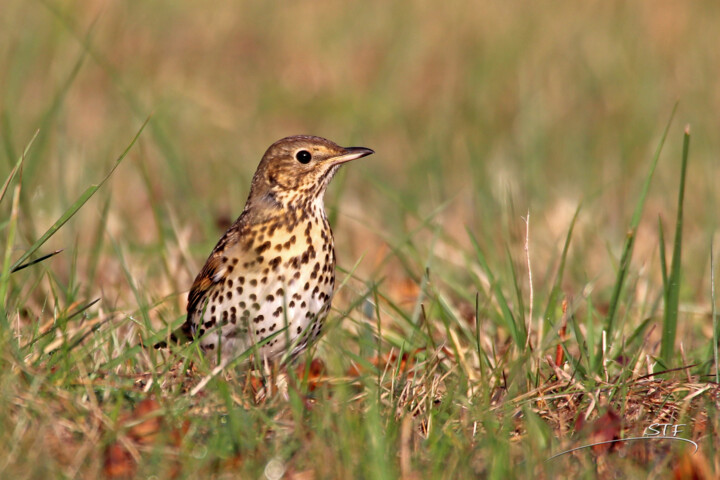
column 442, row 358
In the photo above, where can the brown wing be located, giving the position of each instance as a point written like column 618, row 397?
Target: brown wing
column 208, row 276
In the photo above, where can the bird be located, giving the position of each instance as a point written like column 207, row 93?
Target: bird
column 268, row 284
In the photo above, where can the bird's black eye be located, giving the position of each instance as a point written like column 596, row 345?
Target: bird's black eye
column 303, row 156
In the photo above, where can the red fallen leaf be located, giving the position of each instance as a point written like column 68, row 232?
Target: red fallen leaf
column 404, row 291
column 407, row 361
column 315, row 373
column 559, row 353
column 118, row 462
column 692, row 467
column 146, row 431
column 178, row 434
column 605, row 428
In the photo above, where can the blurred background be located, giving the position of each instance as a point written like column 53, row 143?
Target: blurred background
column 479, row 112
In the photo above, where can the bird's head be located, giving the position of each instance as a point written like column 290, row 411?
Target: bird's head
column 298, row 169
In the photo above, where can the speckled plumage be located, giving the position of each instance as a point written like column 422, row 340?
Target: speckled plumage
column 275, row 266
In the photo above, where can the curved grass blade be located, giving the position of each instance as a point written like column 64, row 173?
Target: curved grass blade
column 4, row 280
column 75, row 207
column 17, row 166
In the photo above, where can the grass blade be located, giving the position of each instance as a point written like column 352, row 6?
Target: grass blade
column 7, row 269
column 555, row 292
column 17, row 166
column 518, row 334
column 75, row 207
column 663, row 260
column 627, row 251
column 714, row 312
column 672, row 293
column 37, row 260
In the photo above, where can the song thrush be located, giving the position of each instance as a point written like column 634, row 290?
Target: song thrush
column 274, row 269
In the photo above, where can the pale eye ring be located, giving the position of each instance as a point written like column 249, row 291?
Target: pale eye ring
column 303, row 156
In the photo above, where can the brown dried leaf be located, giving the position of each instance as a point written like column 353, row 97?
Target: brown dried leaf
column 118, row 462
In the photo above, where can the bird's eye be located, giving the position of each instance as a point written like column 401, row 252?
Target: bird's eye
column 303, row 156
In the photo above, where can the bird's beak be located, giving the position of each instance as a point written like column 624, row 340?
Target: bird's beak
column 352, row 153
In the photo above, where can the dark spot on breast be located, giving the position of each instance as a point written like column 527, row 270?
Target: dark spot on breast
column 253, row 283
column 262, row 248
column 258, row 319
column 279, row 292
column 270, row 298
